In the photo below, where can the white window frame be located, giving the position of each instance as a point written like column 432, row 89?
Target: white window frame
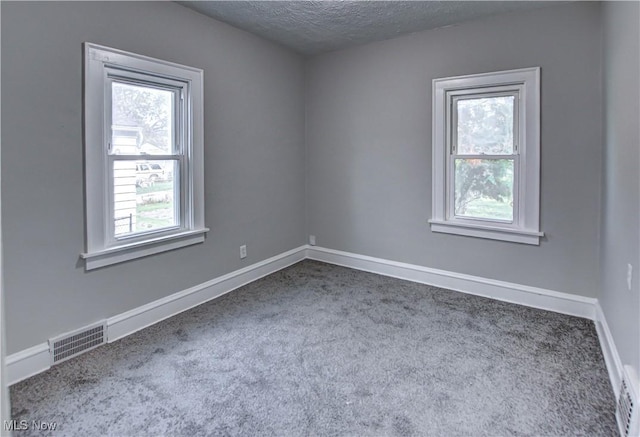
column 101, row 66
column 525, row 85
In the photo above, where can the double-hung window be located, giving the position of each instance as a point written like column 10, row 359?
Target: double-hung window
column 486, row 155
column 144, row 165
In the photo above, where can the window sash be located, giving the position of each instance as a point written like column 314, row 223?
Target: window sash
column 451, row 188
column 180, row 120
column 452, row 120
column 181, row 207
column 180, row 113
column 452, row 98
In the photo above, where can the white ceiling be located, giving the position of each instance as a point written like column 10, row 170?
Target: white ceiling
column 313, row 27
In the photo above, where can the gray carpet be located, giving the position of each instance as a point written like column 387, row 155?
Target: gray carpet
column 321, row 350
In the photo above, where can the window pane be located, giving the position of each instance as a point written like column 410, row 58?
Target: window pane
column 484, row 188
column 485, row 126
column 146, row 196
column 142, row 120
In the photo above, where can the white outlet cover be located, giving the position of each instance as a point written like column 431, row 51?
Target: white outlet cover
column 629, row 275
column 312, row 240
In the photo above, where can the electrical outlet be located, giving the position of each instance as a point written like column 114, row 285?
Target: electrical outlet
column 312, row 240
column 629, row 275
column 243, row 251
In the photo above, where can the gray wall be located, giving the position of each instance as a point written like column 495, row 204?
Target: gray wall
column 254, row 158
column 369, row 145
column 620, row 239
column 367, row 158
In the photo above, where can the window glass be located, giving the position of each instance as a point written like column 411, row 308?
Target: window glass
column 142, row 119
column 145, row 196
column 485, row 125
column 484, row 188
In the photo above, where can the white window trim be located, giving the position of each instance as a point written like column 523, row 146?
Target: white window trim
column 100, row 249
column 526, row 225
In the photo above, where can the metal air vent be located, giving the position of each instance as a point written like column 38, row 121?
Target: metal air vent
column 627, row 408
column 74, row 343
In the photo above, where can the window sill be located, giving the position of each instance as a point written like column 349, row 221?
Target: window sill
column 486, row 231
column 114, row 255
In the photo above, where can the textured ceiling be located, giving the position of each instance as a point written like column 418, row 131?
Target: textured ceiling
column 312, row 27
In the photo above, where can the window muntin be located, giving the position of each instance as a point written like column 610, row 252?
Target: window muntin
column 486, row 155
column 144, row 170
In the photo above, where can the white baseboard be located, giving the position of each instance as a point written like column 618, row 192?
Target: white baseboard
column 505, row 291
column 28, row 362
column 34, row 360
column 609, row 350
